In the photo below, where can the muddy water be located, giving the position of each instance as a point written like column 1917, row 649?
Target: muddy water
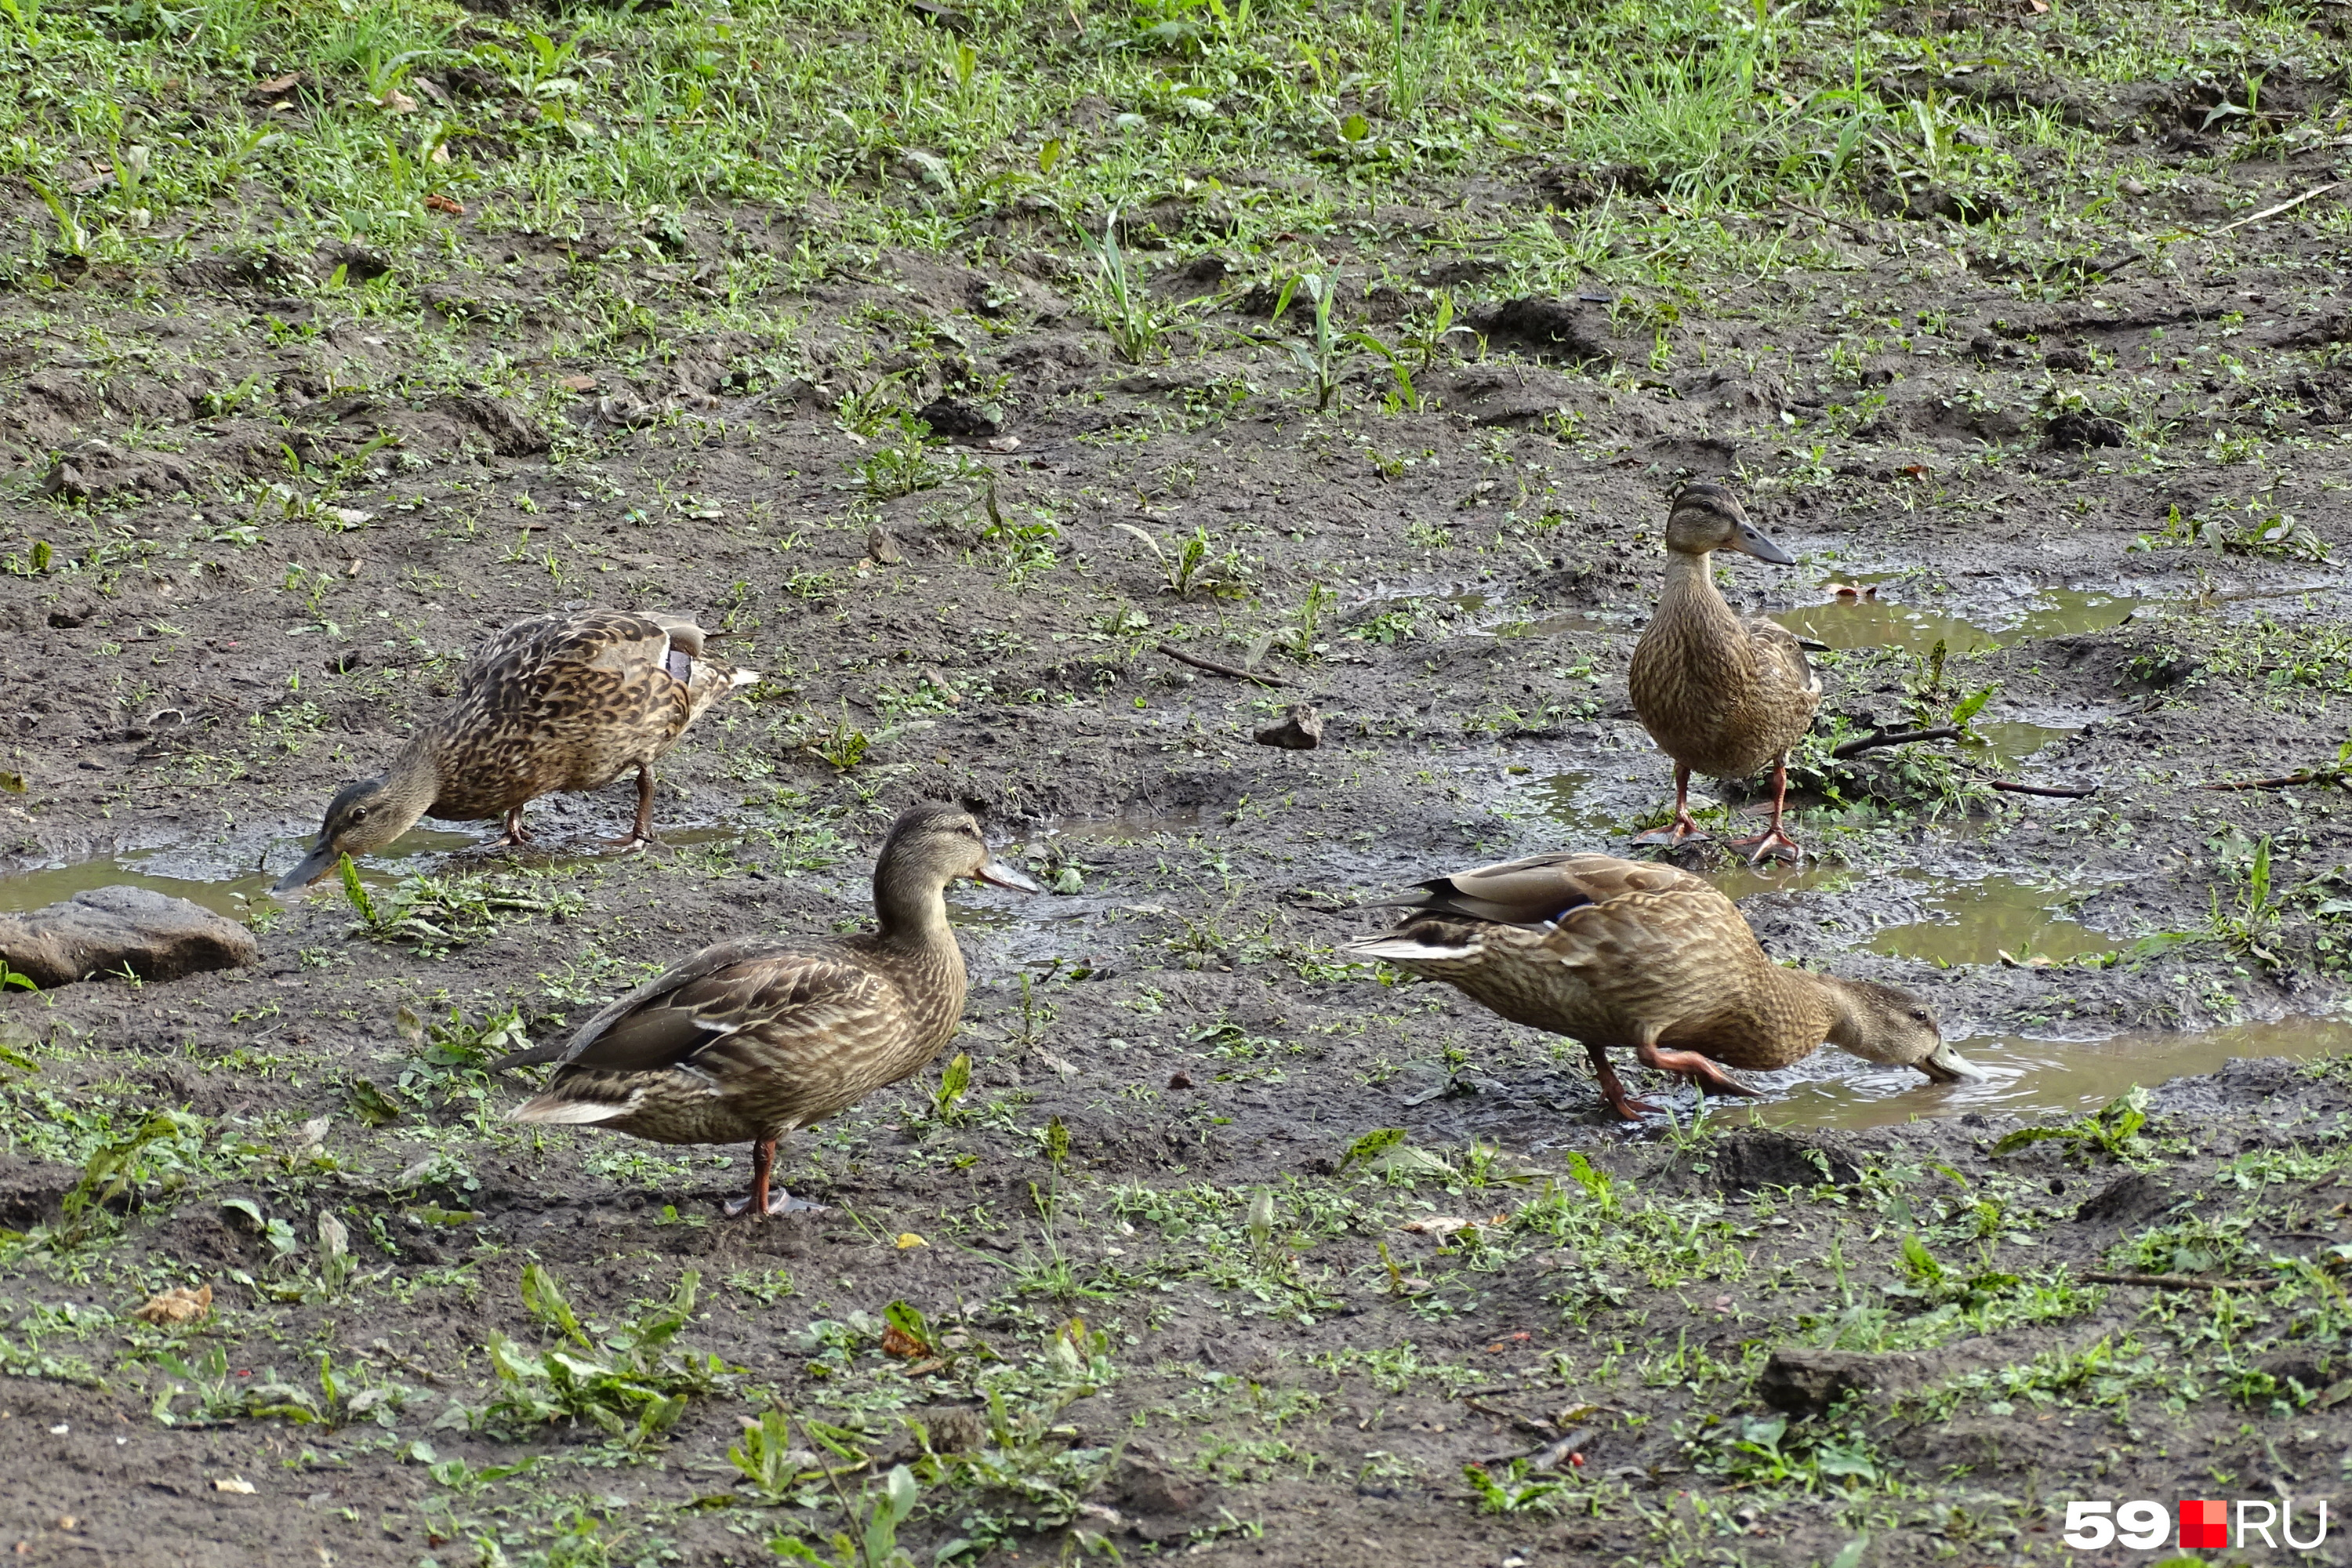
column 2034, row 1079
column 212, row 876
column 1859, row 623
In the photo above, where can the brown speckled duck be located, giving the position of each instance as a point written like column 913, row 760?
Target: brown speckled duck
column 556, row 702
column 747, row 1041
column 1624, row 952
column 1721, row 696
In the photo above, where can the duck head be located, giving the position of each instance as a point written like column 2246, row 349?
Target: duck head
column 1881, row 1024
column 365, row 816
column 933, row 843
column 1708, row 518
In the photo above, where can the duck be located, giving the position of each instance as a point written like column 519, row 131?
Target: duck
column 1614, row 952
column 1720, row 695
column 565, row 701
column 748, row 1041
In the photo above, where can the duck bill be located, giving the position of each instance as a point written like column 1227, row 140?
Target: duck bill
column 996, row 873
column 1750, row 540
column 1948, row 1066
column 315, row 864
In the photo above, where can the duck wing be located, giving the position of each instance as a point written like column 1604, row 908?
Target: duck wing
column 1786, row 686
column 734, row 1013
column 557, row 703
column 1541, row 890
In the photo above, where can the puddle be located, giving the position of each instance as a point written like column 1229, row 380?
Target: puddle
column 205, row 876
column 1976, row 922
column 2007, row 742
column 1847, row 624
column 201, row 878
column 2040, row 1080
column 1131, row 826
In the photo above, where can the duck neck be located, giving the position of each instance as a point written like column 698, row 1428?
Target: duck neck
column 1690, row 589
column 412, row 783
column 1851, row 1028
column 912, row 912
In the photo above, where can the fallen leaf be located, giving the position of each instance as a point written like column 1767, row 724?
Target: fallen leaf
column 578, row 384
column 907, row 1238
column 440, row 154
column 1438, row 1225
column 898, row 1343
column 438, row 203
column 177, row 1306
column 1915, row 471
column 397, row 101
column 277, row 84
column 237, row 1484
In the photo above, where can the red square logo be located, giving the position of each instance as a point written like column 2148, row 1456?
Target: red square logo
column 2204, row 1524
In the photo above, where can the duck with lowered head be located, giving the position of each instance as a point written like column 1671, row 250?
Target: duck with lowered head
column 748, row 1041
column 557, row 703
column 1721, row 696
column 1633, row 953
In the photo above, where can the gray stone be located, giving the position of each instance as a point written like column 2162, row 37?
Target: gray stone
column 106, row 929
column 1301, row 730
column 1802, row 1381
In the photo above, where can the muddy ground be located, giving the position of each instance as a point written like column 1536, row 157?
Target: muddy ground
column 247, row 538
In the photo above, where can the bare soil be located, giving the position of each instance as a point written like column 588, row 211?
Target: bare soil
column 1458, row 591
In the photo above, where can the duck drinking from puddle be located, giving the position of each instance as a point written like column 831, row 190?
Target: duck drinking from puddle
column 1623, row 952
column 748, row 1041
column 1721, row 696
column 557, row 703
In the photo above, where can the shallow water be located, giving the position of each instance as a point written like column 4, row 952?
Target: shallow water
column 2038, row 1079
column 1989, row 920
column 1857, row 623
column 213, row 876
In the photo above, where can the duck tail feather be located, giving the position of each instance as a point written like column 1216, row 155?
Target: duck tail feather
column 744, row 677
column 1404, row 947
column 560, row 1110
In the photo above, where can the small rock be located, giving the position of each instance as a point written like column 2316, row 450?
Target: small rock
column 882, row 549
column 1155, row 1499
column 954, row 416
column 953, row 1428
column 97, row 472
column 628, row 410
column 108, row 929
column 2130, row 1200
column 177, row 1306
column 1554, row 329
column 1301, row 730
column 1798, row 1381
column 2072, row 432
column 510, row 435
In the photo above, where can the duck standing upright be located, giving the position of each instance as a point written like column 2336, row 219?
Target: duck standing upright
column 1720, row 695
column 748, row 1041
column 1626, row 952
column 556, row 702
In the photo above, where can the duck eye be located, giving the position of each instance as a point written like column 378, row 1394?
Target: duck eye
column 1922, row 1015
column 359, row 813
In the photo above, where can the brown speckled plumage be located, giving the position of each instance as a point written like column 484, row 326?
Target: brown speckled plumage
column 1630, row 954
column 567, row 702
column 1721, row 696
column 748, row 1041
column 556, row 702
